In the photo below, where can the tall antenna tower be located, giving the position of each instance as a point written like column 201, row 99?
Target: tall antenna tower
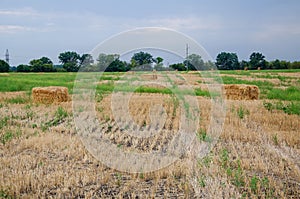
column 7, row 56
column 187, row 51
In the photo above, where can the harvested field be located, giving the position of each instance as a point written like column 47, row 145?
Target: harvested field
column 296, row 75
column 256, row 154
column 149, row 76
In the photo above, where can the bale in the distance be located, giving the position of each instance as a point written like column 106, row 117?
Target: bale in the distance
column 51, row 94
column 241, row 92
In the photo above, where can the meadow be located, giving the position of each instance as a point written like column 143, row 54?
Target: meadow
column 257, row 154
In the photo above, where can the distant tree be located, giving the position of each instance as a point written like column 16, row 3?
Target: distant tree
column 159, row 60
column 277, row 64
column 159, row 64
column 227, row 61
column 194, row 62
column 46, row 60
column 43, row 64
column 105, row 60
column 36, row 65
column 118, row 66
column 49, row 68
column 4, row 67
column 244, row 64
column 142, row 61
column 209, row 65
column 13, row 69
column 70, row 61
column 295, row 65
column 257, row 60
column 86, row 60
column 23, row 68
column 60, row 69
column 178, row 66
column 285, row 64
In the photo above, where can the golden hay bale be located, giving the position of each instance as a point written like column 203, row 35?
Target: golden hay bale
column 50, row 94
column 241, row 92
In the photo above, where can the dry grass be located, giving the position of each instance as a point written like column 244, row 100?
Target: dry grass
column 256, row 156
column 149, row 76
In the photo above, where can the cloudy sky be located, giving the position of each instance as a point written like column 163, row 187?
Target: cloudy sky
column 34, row 28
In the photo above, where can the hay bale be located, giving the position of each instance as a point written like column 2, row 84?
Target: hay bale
column 51, row 94
column 241, row 92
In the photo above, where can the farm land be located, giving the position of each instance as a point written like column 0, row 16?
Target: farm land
column 257, row 154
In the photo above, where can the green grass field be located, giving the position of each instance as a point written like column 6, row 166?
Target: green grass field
column 26, row 81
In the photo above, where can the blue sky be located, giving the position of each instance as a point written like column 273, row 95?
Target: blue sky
column 34, row 28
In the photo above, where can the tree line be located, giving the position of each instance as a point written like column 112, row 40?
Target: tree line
column 230, row 61
column 72, row 62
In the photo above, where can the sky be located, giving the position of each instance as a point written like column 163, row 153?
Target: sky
column 30, row 29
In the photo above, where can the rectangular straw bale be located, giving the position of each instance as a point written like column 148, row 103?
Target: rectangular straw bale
column 51, row 94
column 241, row 92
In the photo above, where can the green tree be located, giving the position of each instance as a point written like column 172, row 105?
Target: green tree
column 178, row 66
column 295, row 65
column 46, row 60
column 142, row 60
column 244, row 64
column 23, row 68
column 275, row 64
column 209, row 65
column 43, row 64
column 159, row 60
column 285, row 64
column 118, row 66
column 4, row 67
column 104, row 60
column 257, row 60
column 86, row 60
column 194, row 62
column 70, row 61
column 227, row 61
column 36, row 65
column 159, row 64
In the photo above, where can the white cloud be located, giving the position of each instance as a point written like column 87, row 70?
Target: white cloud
column 188, row 23
column 191, row 23
column 20, row 12
column 13, row 29
column 93, row 21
